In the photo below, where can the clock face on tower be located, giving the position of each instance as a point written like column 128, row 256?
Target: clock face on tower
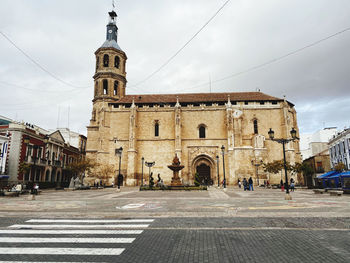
column 237, row 113
column 110, row 31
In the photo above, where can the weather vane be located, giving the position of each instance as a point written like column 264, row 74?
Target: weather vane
column 113, row 4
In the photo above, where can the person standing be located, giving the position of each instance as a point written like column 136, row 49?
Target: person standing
column 282, row 185
column 292, row 186
column 245, row 184
column 239, row 183
column 250, row 181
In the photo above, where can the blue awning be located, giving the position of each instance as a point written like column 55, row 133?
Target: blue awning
column 345, row 174
column 334, row 176
column 4, row 177
column 328, row 174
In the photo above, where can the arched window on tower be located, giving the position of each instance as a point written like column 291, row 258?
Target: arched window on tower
column 115, row 88
column 201, row 131
column 105, row 87
column 116, row 61
column 156, row 128
column 255, row 126
column 105, row 60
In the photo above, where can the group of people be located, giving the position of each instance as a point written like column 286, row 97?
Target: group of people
column 292, row 185
column 247, row 184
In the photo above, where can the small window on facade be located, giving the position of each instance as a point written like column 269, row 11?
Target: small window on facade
column 105, row 60
column 156, row 129
column 202, row 131
column 116, row 61
column 246, row 103
column 105, row 87
column 262, row 102
column 255, row 126
column 115, row 88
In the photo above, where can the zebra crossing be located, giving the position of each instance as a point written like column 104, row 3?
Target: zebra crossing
column 79, row 240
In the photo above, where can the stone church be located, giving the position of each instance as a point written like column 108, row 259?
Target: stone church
column 212, row 133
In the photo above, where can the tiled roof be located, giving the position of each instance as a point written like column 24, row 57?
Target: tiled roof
column 198, row 97
column 111, row 43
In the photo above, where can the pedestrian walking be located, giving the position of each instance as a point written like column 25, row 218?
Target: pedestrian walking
column 245, row 184
column 292, row 186
column 264, row 183
column 250, row 181
column 239, row 183
column 282, row 185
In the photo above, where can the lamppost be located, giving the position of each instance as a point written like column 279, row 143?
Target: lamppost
column 149, row 165
column 142, row 160
column 223, row 163
column 257, row 164
column 217, row 169
column 293, row 133
column 118, row 152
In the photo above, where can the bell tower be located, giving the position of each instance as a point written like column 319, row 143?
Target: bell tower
column 110, row 76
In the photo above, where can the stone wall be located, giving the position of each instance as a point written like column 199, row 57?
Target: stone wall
column 229, row 125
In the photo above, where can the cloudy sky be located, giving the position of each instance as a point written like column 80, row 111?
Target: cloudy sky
column 62, row 36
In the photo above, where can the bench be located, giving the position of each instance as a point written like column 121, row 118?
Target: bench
column 335, row 192
column 12, row 193
column 318, row 191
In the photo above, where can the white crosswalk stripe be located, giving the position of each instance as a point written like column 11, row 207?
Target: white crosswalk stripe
column 64, row 240
column 89, row 221
column 78, row 226
column 72, row 232
column 60, row 251
column 51, row 231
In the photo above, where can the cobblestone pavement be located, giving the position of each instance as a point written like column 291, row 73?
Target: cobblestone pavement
column 172, row 240
column 206, row 226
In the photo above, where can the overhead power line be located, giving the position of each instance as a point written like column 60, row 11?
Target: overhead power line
column 272, row 60
column 177, row 52
column 38, row 65
column 6, row 84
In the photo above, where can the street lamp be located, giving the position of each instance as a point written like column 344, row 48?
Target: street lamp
column 149, row 165
column 142, row 160
column 257, row 164
column 293, row 133
column 118, row 152
column 217, row 168
column 223, row 163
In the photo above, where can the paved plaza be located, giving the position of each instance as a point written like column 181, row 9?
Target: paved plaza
column 198, row 226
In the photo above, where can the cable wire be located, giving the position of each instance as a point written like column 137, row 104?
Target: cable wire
column 188, row 42
column 270, row 61
column 38, row 65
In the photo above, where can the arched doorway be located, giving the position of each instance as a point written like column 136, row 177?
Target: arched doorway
column 205, row 167
column 47, row 175
column 203, row 171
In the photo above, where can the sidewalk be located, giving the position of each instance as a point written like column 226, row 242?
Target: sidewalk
column 233, row 202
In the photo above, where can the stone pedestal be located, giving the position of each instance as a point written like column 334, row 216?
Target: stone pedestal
column 176, row 181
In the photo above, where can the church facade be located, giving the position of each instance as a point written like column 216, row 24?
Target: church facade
column 211, row 133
